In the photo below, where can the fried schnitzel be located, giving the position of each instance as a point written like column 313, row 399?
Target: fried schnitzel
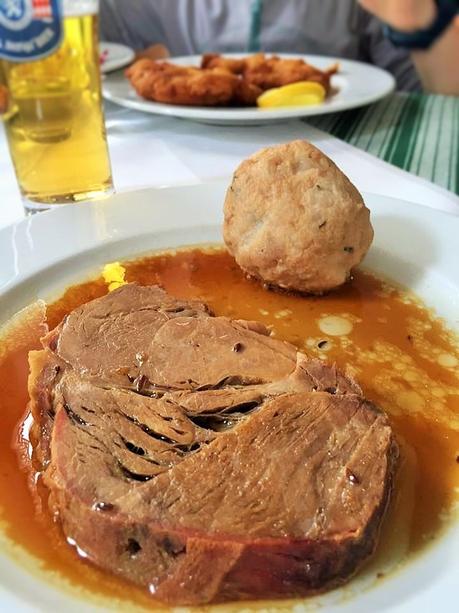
column 186, row 85
column 221, row 81
column 269, row 72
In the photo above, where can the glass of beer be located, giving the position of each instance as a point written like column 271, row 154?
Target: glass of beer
column 54, row 119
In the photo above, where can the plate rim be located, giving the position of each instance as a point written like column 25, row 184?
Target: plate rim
column 69, row 214
column 72, row 214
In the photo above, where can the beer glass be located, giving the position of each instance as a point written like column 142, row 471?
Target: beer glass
column 54, row 119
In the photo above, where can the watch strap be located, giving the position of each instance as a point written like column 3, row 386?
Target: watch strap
column 423, row 39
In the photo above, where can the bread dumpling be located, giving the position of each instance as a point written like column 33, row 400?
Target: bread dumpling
column 294, row 220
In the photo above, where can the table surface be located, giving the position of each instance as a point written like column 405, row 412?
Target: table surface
column 417, row 133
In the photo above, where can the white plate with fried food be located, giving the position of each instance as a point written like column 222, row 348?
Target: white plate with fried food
column 216, row 95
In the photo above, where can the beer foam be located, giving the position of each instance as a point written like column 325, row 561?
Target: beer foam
column 75, row 8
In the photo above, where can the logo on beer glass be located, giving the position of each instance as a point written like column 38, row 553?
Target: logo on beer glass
column 29, row 29
column 16, row 14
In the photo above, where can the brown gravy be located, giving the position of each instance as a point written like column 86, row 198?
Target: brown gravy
column 404, row 358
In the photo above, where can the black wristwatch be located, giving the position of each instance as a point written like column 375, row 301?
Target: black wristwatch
column 423, row 39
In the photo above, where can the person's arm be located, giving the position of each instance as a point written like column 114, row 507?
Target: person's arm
column 437, row 66
column 404, row 15
column 153, row 52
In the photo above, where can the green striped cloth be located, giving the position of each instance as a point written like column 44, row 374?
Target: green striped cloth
column 416, row 132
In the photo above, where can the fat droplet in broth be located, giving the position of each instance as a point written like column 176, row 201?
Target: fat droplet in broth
column 334, row 325
column 447, row 360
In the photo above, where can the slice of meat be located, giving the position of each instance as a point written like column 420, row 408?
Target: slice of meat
column 203, row 459
column 148, row 339
column 120, row 328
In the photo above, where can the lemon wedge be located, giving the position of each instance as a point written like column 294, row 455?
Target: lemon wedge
column 302, row 93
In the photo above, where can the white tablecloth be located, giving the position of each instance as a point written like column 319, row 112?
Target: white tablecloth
column 149, row 150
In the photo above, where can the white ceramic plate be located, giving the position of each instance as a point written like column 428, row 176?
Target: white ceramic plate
column 114, row 56
column 43, row 254
column 357, row 84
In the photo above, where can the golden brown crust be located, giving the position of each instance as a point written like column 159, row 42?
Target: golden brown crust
column 170, row 84
column 271, row 72
column 246, row 94
column 214, row 60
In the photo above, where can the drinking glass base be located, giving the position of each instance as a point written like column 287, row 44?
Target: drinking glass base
column 32, row 206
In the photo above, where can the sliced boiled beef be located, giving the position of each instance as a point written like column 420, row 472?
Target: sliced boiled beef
column 201, row 458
